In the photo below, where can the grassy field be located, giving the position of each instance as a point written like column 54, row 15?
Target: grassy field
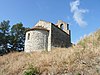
column 81, row 59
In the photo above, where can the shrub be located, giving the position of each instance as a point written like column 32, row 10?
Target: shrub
column 31, row 71
column 98, row 38
column 82, row 43
column 78, row 74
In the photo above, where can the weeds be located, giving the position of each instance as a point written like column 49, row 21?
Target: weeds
column 82, row 43
column 31, row 71
column 56, row 61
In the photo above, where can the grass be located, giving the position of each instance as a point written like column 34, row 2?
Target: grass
column 84, row 58
column 31, row 71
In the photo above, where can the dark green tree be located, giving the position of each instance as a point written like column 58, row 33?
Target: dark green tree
column 17, row 38
column 4, row 35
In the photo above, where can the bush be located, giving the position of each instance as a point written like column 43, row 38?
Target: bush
column 78, row 74
column 31, row 71
column 82, row 43
column 2, row 51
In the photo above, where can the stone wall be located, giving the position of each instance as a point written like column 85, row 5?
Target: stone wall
column 46, row 25
column 59, row 38
column 53, row 36
column 37, row 40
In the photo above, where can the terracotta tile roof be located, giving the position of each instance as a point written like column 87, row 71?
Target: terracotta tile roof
column 38, row 28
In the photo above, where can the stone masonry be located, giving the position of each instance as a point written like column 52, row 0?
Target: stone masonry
column 45, row 35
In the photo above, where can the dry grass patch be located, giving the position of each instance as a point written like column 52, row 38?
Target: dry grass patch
column 84, row 58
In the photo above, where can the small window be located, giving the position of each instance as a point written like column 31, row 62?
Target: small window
column 28, row 36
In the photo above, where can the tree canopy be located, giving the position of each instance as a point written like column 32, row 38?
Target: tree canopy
column 12, row 39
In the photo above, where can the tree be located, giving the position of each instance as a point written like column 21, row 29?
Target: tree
column 4, row 34
column 17, row 38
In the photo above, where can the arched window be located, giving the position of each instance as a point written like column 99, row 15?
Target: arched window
column 28, row 36
column 67, row 26
column 62, row 26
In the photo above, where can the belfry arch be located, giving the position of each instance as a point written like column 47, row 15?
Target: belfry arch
column 64, row 26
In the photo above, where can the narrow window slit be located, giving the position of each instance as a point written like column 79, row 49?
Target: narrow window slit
column 28, row 36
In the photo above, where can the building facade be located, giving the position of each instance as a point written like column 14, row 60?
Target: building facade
column 45, row 36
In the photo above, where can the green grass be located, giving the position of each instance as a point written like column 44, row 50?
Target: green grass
column 31, row 71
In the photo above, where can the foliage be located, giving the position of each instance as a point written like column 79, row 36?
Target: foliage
column 11, row 39
column 78, row 74
column 98, row 32
column 82, row 43
column 17, row 37
column 31, row 71
column 4, row 34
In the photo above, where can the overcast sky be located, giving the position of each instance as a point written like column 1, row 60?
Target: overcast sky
column 82, row 15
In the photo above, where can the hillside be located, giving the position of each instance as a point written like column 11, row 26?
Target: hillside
column 82, row 59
